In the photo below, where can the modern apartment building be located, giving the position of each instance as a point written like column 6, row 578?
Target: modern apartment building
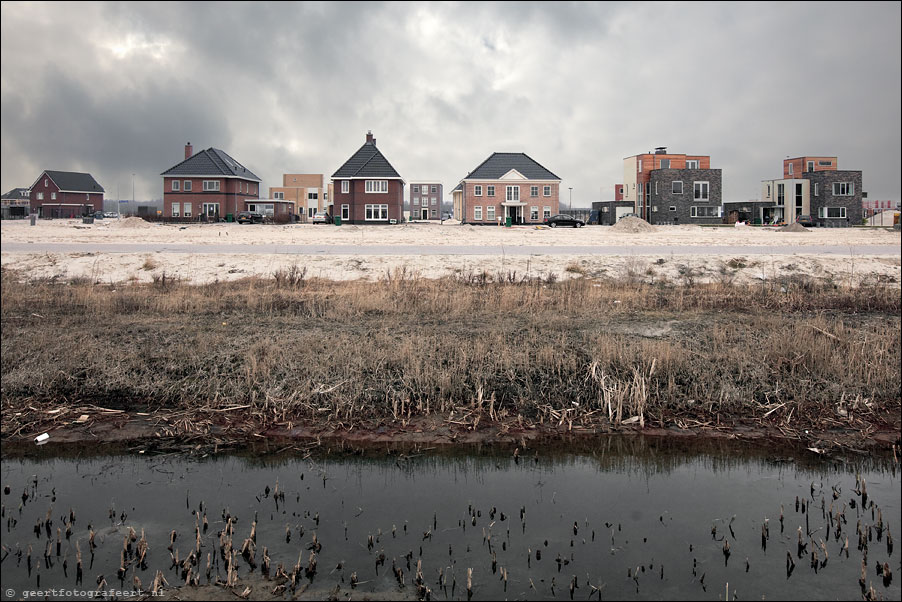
column 426, row 200
column 307, row 192
column 812, row 186
column 669, row 188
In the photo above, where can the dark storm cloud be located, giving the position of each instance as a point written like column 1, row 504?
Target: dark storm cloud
column 117, row 88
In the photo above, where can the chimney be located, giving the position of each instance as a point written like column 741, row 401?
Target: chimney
column 189, row 151
column 660, row 150
column 369, row 138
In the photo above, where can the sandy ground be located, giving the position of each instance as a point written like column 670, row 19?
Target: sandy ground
column 884, row 268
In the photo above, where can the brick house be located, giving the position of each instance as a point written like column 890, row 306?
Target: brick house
column 507, row 185
column 812, row 186
column 65, row 194
column 367, row 189
column 15, row 203
column 305, row 191
column 426, row 200
column 668, row 188
column 210, row 185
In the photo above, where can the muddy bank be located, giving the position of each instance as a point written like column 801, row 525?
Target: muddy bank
column 159, row 431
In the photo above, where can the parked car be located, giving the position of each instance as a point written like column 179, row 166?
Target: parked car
column 321, row 217
column 628, row 215
column 110, row 215
column 250, row 217
column 564, row 220
column 806, row 221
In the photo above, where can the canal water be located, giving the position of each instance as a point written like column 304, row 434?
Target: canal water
column 617, row 518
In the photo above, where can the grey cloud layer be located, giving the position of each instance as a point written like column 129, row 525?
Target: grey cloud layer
column 117, row 89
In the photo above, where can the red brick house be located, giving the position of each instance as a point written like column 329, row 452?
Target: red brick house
column 209, row 184
column 507, row 186
column 65, row 194
column 367, row 189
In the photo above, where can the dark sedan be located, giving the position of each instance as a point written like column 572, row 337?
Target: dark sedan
column 564, row 220
column 250, row 217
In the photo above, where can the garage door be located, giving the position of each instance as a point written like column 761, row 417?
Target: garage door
column 621, row 211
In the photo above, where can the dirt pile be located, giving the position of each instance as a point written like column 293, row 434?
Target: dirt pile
column 633, row 225
column 131, row 222
column 795, row 227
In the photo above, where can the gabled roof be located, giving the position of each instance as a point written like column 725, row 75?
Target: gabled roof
column 211, row 162
column 16, row 194
column 367, row 162
column 72, row 181
column 499, row 164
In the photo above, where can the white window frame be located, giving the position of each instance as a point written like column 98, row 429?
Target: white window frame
column 673, row 207
column 345, row 186
column 376, row 212
column 416, row 189
column 175, row 185
column 40, row 196
column 533, row 213
column 691, row 163
column 477, row 190
column 432, row 200
column 546, row 211
column 693, row 211
column 207, row 209
column 824, row 213
column 211, row 186
column 279, row 195
column 790, row 168
column 843, row 188
column 810, row 165
column 489, row 212
column 345, row 212
column 477, row 213
column 186, row 186
column 546, row 191
column 186, row 209
column 376, row 187
column 176, row 210
column 673, row 187
column 706, row 188
column 490, row 191
column 512, row 194
column 87, row 196
column 815, row 189
column 533, row 191
column 313, row 196
column 52, row 196
column 416, row 200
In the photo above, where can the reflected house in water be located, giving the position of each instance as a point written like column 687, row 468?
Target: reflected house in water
column 507, row 188
column 209, row 184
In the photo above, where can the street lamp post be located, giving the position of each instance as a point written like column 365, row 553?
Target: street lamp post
column 571, row 198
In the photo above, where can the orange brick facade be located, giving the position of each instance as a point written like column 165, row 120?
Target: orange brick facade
column 799, row 165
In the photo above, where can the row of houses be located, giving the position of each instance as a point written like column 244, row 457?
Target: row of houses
column 506, row 188
column 670, row 188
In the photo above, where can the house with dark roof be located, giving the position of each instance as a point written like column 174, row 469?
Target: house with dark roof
column 367, row 189
column 65, row 194
column 209, row 184
column 507, row 186
column 15, row 203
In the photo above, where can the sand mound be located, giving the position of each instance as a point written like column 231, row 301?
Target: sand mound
column 131, row 222
column 633, row 224
column 796, row 227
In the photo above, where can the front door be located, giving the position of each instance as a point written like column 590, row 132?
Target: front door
column 425, row 213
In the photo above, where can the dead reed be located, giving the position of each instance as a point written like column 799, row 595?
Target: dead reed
column 572, row 353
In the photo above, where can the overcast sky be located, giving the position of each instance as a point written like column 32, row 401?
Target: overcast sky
column 115, row 89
